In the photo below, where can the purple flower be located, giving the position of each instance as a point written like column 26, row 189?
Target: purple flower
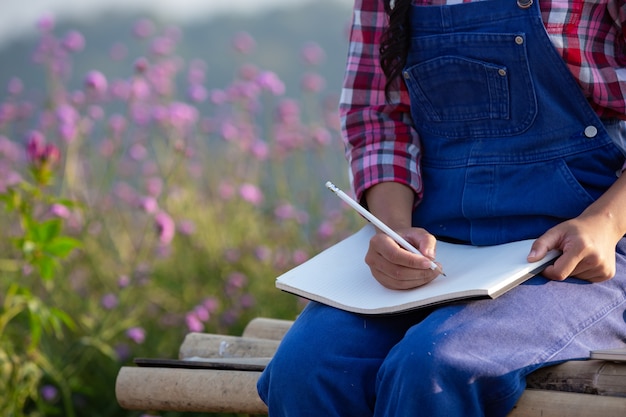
column 165, row 227
column 35, row 145
column 251, row 193
column 74, row 41
column 122, row 351
column 141, row 65
column 96, row 82
column 49, row 393
column 109, row 301
column 247, row 301
column 263, row 253
column 136, row 334
column 123, row 281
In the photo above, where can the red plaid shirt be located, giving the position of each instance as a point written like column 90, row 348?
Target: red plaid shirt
column 380, row 143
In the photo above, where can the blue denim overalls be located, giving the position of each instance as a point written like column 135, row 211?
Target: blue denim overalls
column 510, row 145
column 510, row 148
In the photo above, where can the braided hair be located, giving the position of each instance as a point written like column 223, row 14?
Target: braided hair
column 394, row 43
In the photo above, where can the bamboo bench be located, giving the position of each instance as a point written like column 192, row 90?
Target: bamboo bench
column 218, row 374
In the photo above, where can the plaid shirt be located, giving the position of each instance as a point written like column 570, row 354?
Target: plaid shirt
column 380, row 143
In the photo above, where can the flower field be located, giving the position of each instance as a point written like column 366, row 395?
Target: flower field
column 134, row 210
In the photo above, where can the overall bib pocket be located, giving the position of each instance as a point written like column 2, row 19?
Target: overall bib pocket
column 466, row 85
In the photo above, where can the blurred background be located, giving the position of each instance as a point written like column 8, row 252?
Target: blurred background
column 161, row 162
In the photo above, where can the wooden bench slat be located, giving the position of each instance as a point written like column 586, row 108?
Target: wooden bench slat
column 173, row 389
column 544, row 403
column 218, row 346
column 264, row 328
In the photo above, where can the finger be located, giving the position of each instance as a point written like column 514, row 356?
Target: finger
column 394, row 254
column 564, row 266
column 543, row 244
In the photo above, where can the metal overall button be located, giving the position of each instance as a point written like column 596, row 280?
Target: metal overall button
column 524, row 4
column 591, row 132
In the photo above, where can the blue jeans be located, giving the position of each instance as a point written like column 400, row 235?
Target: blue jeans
column 467, row 359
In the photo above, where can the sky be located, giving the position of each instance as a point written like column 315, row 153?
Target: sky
column 18, row 17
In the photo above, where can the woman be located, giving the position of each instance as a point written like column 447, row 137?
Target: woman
column 483, row 122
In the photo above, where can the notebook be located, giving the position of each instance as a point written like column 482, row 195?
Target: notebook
column 339, row 277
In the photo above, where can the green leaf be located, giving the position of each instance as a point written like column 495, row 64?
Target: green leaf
column 61, row 246
column 46, row 266
column 46, row 231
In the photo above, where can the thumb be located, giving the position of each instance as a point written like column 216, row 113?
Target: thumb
column 543, row 244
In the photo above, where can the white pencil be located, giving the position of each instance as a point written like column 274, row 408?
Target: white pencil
column 379, row 224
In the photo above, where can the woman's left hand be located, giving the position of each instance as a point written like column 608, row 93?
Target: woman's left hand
column 588, row 246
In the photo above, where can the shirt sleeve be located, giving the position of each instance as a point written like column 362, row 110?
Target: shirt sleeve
column 381, row 144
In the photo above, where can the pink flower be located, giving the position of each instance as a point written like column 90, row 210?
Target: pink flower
column 117, row 124
column 299, row 256
column 15, row 86
column 251, row 193
column 197, row 93
column 162, row 46
column 312, row 82
column 285, row 211
column 46, row 23
column 165, row 227
column 194, row 324
column 74, row 41
column 269, row 81
column 141, row 65
column 96, row 82
column 226, row 191
column 201, row 312
column 312, row 54
column 143, row 28
column 59, row 210
column 325, row 230
column 243, row 42
column 211, row 304
column 260, row 150
column 136, row 334
column 149, row 205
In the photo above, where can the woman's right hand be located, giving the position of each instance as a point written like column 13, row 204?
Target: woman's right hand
column 397, row 268
column 393, row 266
